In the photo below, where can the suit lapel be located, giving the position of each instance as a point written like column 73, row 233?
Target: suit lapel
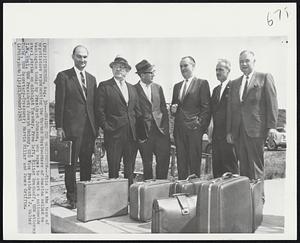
column 76, row 82
column 189, row 88
column 130, row 94
column 115, row 86
column 89, row 86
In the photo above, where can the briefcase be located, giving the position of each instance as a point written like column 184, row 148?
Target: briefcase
column 142, row 194
column 224, row 205
column 60, row 151
column 257, row 202
column 176, row 214
column 102, row 199
column 190, row 185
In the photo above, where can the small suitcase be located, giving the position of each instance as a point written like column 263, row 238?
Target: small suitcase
column 174, row 215
column 224, row 205
column 190, row 185
column 60, row 151
column 142, row 194
column 102, row 199
column 257, row 202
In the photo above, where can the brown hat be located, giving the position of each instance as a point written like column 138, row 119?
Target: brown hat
column 120, row 60
column 144, row 66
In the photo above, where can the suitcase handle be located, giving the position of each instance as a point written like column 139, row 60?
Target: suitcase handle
column 190, row 177
column 181, row 198
column 228, row 175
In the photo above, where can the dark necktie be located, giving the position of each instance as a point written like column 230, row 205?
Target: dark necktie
column 83, row 84
column 245, row 89
column 220, row 95
column 184, row 90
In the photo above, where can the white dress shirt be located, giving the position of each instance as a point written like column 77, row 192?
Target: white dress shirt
column 223, row 86
column 123, row 89
column 187, row 86
column 243, row 84
column 147, row 89
column 77, row 71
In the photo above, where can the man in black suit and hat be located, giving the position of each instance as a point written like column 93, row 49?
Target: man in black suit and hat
column 154, row 123
column 117, row 108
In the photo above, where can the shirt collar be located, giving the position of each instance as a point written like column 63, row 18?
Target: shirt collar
column 145, row 85
column 190, row 79
column 250, row 76
column 78, row 71
column 118, row 81
column 224, row 84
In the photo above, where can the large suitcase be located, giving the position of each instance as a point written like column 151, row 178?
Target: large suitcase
column 190, row 185
column 174, row 215
column 102, row 199
column 60, row 151
column 224, row 205
column 257, row 202
column 142, row 194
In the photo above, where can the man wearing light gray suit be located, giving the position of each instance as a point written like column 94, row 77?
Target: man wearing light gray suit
column 153, row 126
column 251, row 116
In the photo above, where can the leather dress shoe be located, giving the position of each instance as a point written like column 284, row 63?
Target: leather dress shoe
column 70, row 204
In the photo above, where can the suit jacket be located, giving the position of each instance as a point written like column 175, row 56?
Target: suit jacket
column 219, row 111
column 71, row 107
column 258, row 111
column 156, row 110
column 194, row 111
column 112, row 112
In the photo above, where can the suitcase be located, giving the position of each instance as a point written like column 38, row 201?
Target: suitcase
column 190, row 185
column 60, row 151
column 257, row 202
column 142, row 194
column 174, row 215
column 102, row 199
column 224, row 205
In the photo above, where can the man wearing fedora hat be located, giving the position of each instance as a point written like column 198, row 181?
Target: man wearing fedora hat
column 117, row 108
column 153, row 127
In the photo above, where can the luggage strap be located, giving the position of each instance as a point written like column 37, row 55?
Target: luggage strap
column 181, row 198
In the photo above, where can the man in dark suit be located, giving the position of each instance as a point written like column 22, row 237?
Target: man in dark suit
column 75, row 119
column 252, row 115
column 223, row 154
column 154, row 124
column 116, row 111
column 191, row 107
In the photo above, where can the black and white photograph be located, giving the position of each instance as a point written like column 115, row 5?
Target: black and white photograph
column 136, row 124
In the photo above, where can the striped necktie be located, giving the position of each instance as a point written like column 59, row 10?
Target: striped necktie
column 83, row 84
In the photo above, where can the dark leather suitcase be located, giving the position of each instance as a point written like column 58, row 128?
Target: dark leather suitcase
column 142, row 194
column 174, row 215
column 101, row 199
column 190, row 185
column 257, row 202
column 224, row 205
column 60, row 151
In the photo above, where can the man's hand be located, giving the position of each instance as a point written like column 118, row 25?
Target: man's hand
column 272, row 133
column 229, row 138
column 173, row 108
column 60, row 134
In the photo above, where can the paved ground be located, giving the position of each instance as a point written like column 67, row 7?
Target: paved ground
column 64, row 220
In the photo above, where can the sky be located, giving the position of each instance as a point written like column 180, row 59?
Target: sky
column 165, row 54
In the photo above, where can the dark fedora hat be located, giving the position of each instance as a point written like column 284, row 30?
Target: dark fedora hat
column 144, row 66
column 120, row 60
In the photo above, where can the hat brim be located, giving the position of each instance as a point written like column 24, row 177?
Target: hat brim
column 149, row 69
column 127, row 65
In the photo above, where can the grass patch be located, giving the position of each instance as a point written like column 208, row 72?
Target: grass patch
column 275, row 164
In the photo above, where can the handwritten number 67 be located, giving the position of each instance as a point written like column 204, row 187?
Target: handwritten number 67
column 279, row 11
